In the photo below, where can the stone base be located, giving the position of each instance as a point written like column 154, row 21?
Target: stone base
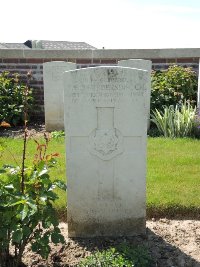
column 125, row 227
column 54, row 126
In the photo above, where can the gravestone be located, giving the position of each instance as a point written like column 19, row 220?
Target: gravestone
column 105, row 123
column 198, row 96
column 144, row 65
column 53, row 93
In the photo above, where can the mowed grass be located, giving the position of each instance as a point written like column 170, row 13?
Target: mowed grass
column 173, row 172
column 173, row 176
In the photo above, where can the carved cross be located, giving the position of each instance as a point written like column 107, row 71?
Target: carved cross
column 106, row 143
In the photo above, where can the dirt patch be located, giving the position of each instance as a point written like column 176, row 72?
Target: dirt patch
column 34, row 131
column 170, row 243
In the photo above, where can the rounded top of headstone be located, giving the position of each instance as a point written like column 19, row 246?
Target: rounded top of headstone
column 58, row 63
column 108, row 69
column 136, row 63
column 109, row 73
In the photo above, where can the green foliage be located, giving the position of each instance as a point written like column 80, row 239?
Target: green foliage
column 12, row 93
column 57, row 134
column 173, row 86
column 123, row 256
column 174, row 122
column 27, row 214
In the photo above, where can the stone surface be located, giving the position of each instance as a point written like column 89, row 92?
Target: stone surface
column 102, row 53
column 198, row 96
column 144, row 65
column 53, row 93
column 105, row 124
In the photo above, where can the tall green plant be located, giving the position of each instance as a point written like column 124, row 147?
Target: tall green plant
column 174, row 121
column 27, row 195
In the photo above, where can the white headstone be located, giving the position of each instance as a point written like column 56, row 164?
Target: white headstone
column 53, row 93
column 144, row 65
column 105, row 124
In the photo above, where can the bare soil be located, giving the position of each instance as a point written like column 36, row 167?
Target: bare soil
column 171, row 243
column 34, row 130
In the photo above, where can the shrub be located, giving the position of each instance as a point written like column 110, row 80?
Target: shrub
column 173, row 87
column 175, row 121
column 12, row 98
column 27, row 195
column 26, row 211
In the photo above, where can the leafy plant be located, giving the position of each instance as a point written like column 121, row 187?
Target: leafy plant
column 173, row 87
column 27, row 195
column 174, row 121
column 12, row 98
column 122, row 256
column 57, row 134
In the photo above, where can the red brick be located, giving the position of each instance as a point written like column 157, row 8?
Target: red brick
column 171, row 60
column 158, row 60
column 96, row 61
column 187, row 60
column 35, row 60
column 22, row 60
column 10, row 60
column 47, row 59
column 108, row 61
column 58, row 59
column 83, row 61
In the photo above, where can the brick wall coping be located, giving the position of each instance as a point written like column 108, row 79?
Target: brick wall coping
column 102, row 53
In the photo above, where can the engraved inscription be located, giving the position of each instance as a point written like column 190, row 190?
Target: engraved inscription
column 103, row 93
column 107, row 87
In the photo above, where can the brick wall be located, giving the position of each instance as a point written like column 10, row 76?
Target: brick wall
column 22, row 65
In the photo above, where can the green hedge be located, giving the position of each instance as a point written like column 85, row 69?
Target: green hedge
column 12, row 93
column 173, row 87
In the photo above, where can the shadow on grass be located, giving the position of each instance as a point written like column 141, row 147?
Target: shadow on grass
column 169, row 212
column 177, row 212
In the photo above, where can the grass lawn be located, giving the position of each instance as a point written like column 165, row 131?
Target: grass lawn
column 173, row 176
column 173, row 172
